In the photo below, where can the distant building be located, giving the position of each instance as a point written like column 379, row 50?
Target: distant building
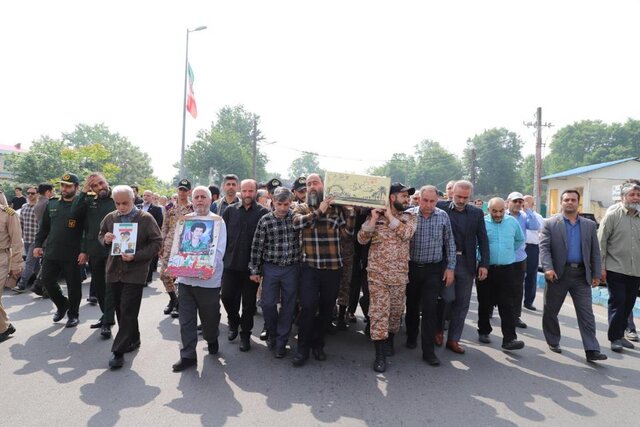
column 598, row 185
column 5, row 150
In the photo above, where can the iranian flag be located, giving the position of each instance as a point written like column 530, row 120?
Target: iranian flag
column 191, row 99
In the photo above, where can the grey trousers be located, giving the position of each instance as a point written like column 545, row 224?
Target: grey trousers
column 460, row 307
column 574, row 282
column 194, row 301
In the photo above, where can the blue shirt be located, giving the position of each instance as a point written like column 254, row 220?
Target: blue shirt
column 504, row 238
column 527, row 221
column 574, row 241
column 433, row 239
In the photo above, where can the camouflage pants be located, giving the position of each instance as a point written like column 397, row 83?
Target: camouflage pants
column 345, row 275
column 168, row 281
column 386, row 305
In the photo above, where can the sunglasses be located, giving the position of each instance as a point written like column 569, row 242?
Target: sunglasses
column 31, row 193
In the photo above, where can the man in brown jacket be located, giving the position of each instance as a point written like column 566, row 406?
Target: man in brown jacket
column 127, row 273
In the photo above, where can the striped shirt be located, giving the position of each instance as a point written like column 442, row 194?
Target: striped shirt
column 433, row 240
column 275, row 241
column 29, row 223
column 321, row 235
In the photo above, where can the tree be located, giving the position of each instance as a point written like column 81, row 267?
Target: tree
column 86, row 149
column 399, row 168
column 305, row 164
column 592, row 141
column 498, row 160
column 226, row 147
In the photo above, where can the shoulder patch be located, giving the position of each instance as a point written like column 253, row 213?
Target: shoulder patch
column 8, row 209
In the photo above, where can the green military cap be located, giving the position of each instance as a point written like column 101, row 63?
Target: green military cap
column 70, row 178
column 273, row 184
column 299, row 183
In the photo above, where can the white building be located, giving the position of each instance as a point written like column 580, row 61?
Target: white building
column 597, row 185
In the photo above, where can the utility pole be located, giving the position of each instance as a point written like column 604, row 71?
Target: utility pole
column 472, row 172
column 537, row 184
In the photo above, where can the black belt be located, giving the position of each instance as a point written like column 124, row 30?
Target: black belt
column 575, row 265
column 500, row 265
column 424, row 265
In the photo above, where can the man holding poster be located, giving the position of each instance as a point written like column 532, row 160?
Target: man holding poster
column 127, row 273
column 198, row 296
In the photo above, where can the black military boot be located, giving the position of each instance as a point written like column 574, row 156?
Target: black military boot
column 388, row 345
column 380, row 364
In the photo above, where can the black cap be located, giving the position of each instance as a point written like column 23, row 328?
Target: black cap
column 70, row 178
column 398, row 187
column 299, row 183
column 273, row 184
column 184, row 183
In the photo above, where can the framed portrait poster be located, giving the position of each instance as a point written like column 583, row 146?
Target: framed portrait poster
column 357, row 190
column 126, row 235
column 193, row 251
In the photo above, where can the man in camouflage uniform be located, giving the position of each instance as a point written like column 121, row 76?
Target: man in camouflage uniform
column 10, row 258
column 179, row 209
column 347, row 252
column 390, row 231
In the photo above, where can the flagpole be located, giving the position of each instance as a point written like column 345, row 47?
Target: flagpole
column 184, row 99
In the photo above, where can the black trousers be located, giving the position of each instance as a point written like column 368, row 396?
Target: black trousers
column 425, row 285
column 101, row 290
column 51, row 270
column 318, row 293
column 358, row 283
column 497, row 289
column 519, row 271
column 127, row 298
column 152, row 268
column 623, row 291
column 237, row 288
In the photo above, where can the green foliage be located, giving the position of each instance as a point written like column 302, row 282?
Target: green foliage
column 430, row 164
column 226, row 147
column 85, row 150
column 305, row 164
column 498, row 160
column 592, row 141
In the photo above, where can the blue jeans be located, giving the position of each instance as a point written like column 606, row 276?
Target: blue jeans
column 279, row 281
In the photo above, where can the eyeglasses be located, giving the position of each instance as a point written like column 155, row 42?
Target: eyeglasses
column 31, row 193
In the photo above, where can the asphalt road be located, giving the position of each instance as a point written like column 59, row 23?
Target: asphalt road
column 50, row 375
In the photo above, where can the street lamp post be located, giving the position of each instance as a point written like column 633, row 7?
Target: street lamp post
column 184, row 98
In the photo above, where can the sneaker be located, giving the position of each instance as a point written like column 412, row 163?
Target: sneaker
column 631, row 335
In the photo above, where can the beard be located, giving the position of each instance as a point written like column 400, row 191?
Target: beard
column 399, row 206
column 314, row 198
column 632, row 206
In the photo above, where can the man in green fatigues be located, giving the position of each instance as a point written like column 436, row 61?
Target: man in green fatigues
column 63, row 233
column 91, row 206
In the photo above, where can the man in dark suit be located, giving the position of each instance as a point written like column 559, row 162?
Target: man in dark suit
column 570, row 258
column 156, row 213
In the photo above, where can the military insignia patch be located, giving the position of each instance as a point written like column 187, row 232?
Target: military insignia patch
column 66, row 177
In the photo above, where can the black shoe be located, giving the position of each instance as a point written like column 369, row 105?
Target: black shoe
column 280, row 352
column 431, row 359
column 412, row 342
column 116, row 361
column 213, row 347
column 59, row 315
column 245, row 342
column 388, row 346
column 520, row 324
column 175, row 313
column 367, row 330
column 264, row 334
column 232, row 334
column 332, row 329
column 271, row 343
column 555, row 348
column 299, row 359
column 342, row 324
column 5, row 335
column 513, row 345
column 351, row 318
column 484, row 338
column 96, row 325
column 92, row 300
column 616, row 346
column 626, row 343
column 133, row 346
column 105, row 331
column 184, row 364
column 19, row 289
column 319, row 354
column 72, row 322
column 38, row 291
column 169, row 308
column 530, row 307
column 380, row 362
column 595, row 355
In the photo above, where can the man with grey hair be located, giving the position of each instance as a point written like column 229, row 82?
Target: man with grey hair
column 470, row 235
column 619, row 238
column 275, row 257
column 241, row 220
column 201, row 296
column 127, row 273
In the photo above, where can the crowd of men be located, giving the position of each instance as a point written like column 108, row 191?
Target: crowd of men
column 297, row 248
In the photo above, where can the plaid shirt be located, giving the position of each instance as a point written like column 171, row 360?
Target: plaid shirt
column 29, row 223
column 321, row 235
column 433, row 240
column 275, row 241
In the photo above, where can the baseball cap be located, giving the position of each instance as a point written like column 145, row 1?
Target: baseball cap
column 299, row 183
column 515, row 196
column 398, row 187
column 184, row 183
column 273, row 184
column 70, row 178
